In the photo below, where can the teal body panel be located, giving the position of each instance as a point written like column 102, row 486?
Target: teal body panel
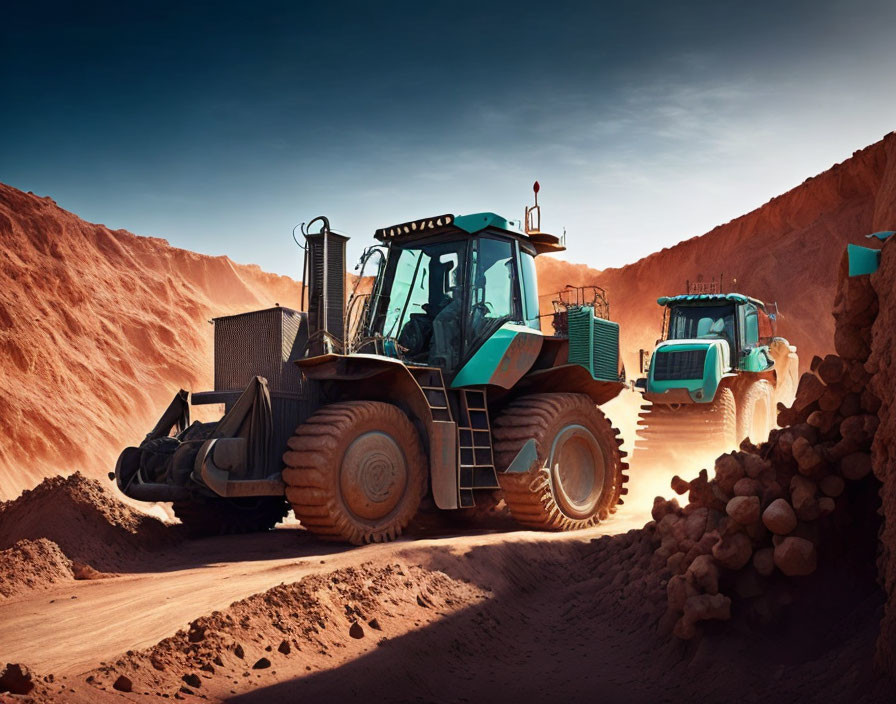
column 476, row 222
column 757, row 359
column 701, row 390
column 503, row 359
column 864, row 260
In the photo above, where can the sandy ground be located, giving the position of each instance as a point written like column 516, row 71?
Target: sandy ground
column 71, row 627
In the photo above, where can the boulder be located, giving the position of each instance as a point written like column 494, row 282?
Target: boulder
column 747, row 487
column 808, row 391
column 16, row 679
column 678, row 590
column 795, row 557
column 832, row 398
column 728, row 472
column 123, row 684
column 662, row 507
column 808, row 459
column 733, row 551
column 859, row 429
column 779, row 517
column 831, row 369
column 744, row 509
column 705, row 607
column 754, row 465
column 802, row 496
column 704, row 574
column 679, row 485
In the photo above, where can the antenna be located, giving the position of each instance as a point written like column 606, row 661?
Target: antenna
column 533, row 213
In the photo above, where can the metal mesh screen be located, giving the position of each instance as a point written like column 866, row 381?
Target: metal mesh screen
column 333, row 313
column 678, row 364
column 261, row 343
column 606, row 349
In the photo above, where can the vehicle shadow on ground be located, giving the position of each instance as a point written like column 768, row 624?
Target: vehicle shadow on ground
column 539, row 634
column 284, row 543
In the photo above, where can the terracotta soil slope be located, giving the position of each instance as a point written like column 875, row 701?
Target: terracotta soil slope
column 785, row 251
column 98, row 328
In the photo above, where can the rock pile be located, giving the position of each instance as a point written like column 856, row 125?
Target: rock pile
column 770, row 508
column 882, row 364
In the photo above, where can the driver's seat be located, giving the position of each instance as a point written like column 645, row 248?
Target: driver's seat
column 704, row 325
column 445, row 349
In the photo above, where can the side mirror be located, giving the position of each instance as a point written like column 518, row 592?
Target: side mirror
column 644, row 360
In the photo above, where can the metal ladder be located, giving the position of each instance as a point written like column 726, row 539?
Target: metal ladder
column 476, row 464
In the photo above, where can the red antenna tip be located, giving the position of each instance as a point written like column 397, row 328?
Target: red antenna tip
column 536, row 187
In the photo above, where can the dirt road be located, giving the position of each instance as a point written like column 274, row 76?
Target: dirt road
column 70, row 629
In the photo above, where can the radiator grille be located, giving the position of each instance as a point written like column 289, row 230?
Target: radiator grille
column 606, row 349
column 593, row 343
column 678, row 364
column 261, row 343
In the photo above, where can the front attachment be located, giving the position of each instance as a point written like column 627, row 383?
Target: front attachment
column 229, row 458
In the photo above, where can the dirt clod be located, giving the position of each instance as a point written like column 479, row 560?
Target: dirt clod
column 16, row 679
column 123, row 684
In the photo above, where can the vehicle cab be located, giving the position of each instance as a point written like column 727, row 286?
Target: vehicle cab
column 707, row 337
column 451, row 287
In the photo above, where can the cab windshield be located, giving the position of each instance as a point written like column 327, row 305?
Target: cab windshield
column 419, row 293
column 702, row 322
column 440, row 301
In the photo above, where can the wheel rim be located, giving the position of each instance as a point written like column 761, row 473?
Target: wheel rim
column 578, row 471
column 373, row 476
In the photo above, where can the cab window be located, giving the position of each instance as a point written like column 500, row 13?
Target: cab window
column 751, row 326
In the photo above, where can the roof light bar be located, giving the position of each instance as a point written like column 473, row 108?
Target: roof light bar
column 409, row 228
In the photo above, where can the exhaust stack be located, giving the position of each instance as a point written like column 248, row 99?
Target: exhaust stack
column 324, row 279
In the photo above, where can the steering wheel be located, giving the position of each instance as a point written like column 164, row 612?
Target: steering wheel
column 484, row 306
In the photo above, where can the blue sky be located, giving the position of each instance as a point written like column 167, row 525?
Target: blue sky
column 219, row 126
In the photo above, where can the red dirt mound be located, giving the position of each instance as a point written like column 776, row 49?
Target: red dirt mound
column 32, row 564
column 319, row 621
column 785, row 251
column 98, row 329
column 84, row 521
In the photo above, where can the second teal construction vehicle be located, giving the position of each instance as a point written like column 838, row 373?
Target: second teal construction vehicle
column 716, row 375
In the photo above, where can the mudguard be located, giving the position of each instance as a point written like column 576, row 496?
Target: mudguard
column 375, row 378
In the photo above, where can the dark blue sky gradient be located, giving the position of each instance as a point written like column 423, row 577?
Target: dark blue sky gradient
column 219, row 126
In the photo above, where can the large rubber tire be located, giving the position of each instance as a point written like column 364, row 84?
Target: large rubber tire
column 356, row 472
column 755, row 412
column 667, row 433
column 579, row 477
column 217, row 516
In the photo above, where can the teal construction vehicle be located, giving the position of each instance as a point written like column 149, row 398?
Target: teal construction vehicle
column 715, row 377
column 433, row 386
